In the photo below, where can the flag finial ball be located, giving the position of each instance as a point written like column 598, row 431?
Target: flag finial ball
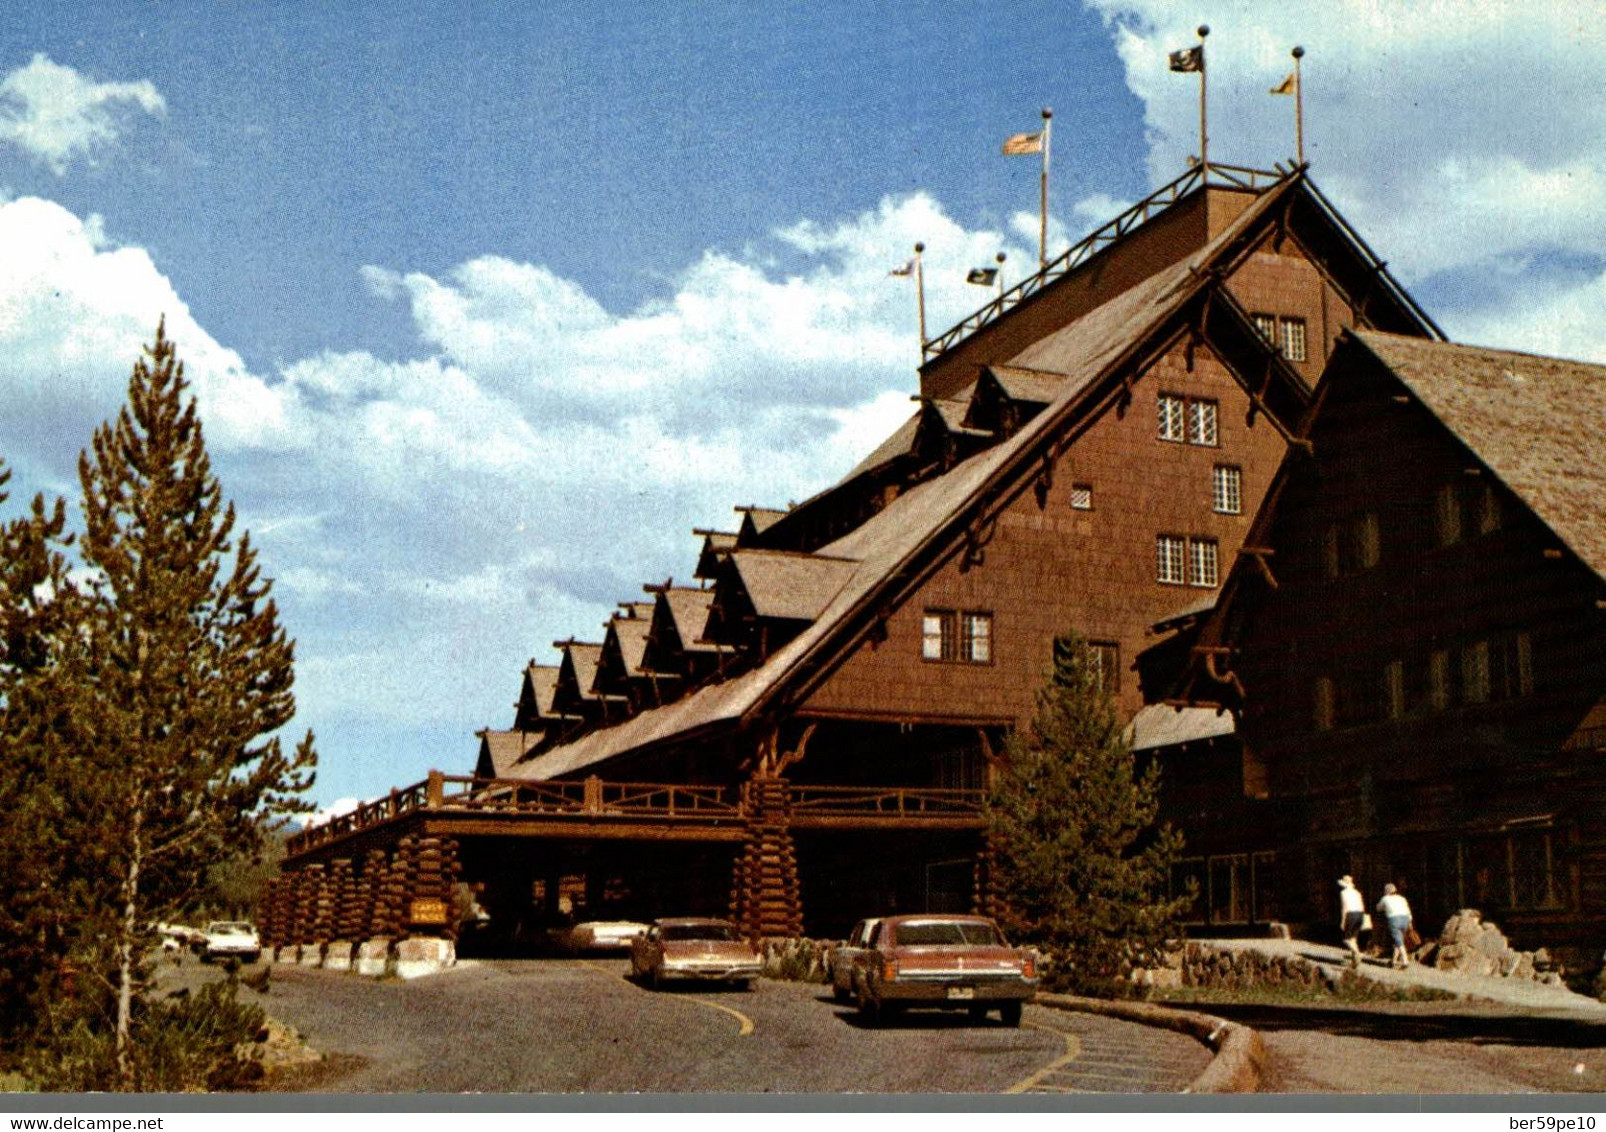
column 1299, row 53
column 920, row 247
column 1047, row 112
column 1204, row 30
column 1000, row 257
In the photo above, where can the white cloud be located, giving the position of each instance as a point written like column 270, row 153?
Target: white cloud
column 56, row 115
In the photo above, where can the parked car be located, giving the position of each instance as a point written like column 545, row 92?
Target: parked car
column 598, row 935
column 694, row 948
column 842, row 959
column 225, row 938
column 177, row 937
column 945, row 963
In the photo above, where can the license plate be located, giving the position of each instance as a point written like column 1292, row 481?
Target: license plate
column 961, row 992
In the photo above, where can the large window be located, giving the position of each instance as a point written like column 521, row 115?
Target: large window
column 1190, row 419
column 1293, row 339
column 963, row 637
column 1184, row 560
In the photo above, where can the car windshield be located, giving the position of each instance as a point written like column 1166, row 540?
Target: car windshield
column 222, row 927
column 928, row 933
column 719, row 932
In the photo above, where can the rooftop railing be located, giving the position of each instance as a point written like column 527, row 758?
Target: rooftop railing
column 1221, row 176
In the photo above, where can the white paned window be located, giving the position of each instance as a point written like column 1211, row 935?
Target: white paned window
column 976, row 646
column 1203, row 567
column 1082, row 496
column 1226, row 489
column 933, row 636
column 1267, row 325
column 1202, row 422
column 1172, row 552
column 1171, row 412
column 1294, row 339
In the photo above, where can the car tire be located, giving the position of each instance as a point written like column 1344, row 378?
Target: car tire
column 1010, row 1012
column 741, row 986
column 976, row 1013
column 841, row 994
column 869, row 1009
column 656, row 977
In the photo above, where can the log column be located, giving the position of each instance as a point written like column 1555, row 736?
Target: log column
column 766, row 900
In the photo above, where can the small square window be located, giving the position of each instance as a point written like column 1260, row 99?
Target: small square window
column 1226, row 489
column 1203, row 568
column 1105, row 657
column 948, row 635
column 1202, row 422
column 1082, row 497
column 1171, row 413
column 1172, row 552
column 1294, row 339
column 1267, row 325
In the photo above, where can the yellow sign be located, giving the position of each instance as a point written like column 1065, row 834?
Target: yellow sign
column 428, row 911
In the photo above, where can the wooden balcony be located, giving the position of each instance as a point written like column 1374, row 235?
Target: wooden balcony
column 461, row 805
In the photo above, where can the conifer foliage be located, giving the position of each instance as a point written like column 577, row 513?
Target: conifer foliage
column 172, row 677
column 1078, row 868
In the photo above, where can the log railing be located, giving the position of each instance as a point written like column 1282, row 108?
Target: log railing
column 886, row 801
column 1231, row 176
column 593, row 799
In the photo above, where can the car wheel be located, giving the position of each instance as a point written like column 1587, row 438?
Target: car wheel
column 741, row 986
column 977, row 1013
column 1010, row 1012
column 841, row 994
column 869, row 1009
column 657, row 978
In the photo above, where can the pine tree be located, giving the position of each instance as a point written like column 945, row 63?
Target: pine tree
column 39, row 651
column 189, row 678
column 1078, row 867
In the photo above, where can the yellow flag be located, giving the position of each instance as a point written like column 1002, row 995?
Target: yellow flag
column 1022, row 144
column 1286, row 86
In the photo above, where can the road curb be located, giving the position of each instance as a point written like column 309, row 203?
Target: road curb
column 1239, row 1064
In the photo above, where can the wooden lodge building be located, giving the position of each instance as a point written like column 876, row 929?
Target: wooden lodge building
column 1136, row 443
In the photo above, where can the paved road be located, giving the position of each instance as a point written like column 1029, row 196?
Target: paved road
column 580, row 1026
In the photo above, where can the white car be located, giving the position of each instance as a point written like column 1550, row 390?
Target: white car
column 225, row 938
column 600, row 935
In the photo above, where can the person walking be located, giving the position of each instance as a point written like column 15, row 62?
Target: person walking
column 1397, row 912
column 1351, row 917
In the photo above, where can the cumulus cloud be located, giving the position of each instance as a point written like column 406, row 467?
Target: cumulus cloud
column 56, row 115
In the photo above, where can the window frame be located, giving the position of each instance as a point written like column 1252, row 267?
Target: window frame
column 957, row 639
column 1291, row 328
column 1171, row 559
column 1086, row 491
column 1227, row 489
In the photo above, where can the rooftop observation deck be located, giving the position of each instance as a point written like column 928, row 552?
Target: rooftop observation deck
column 1231, row 177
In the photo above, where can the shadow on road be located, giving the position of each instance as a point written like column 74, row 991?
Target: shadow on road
column 1454, row 1025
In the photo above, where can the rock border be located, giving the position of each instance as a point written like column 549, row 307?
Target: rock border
column 1240, row 1061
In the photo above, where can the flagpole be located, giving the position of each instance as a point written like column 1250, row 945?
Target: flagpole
column 1042, row 225
column 1204, row 134
column 920, row 297
column 1299, row 105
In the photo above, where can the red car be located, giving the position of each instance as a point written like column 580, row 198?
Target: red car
column 944, row 963
column 694, row 948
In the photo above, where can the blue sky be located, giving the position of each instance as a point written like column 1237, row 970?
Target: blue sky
column 488, row 305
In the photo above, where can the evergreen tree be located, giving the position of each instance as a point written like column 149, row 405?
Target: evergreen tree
column 1078, row 868
column 188, row 678
column 39, row 650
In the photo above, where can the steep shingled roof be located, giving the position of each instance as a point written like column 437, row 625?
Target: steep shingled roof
column 500, row 751
column 789, row 585
column 1537, row 423
column 924, row 515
